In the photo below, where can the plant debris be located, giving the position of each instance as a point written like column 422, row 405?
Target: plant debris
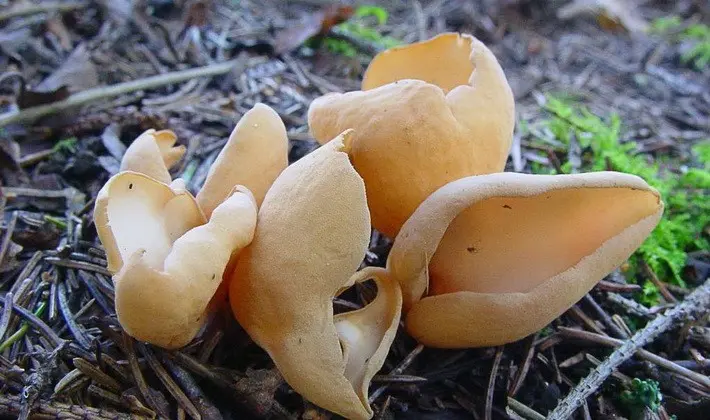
column 586, row 99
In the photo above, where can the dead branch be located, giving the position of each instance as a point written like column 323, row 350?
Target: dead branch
column 696, row 304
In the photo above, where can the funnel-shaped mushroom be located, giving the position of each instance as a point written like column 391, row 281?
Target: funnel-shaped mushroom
column 168, row 254
column 171, row 261
column 312, row 233
column 489, row 259
column 429, row 113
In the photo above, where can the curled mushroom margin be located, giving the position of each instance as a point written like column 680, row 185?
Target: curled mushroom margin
column 312, row 234
column 167, row 258
column 487, row 260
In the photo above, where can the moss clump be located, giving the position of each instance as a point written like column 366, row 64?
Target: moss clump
column 687, row 214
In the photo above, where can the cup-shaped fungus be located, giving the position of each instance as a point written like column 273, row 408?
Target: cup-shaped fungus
column 428, row 113
column 167, row 250
column 487, row 260
column 312, row 233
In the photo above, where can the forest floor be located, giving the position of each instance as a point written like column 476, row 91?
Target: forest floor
column 593, row 91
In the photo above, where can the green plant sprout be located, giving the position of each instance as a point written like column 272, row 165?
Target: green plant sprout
column 665, row 24
column 66, row 145
column 699, row 54
column 362, row 27
column 640, row 395
column 687, row 202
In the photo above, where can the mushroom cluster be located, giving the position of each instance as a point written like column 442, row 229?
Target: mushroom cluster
column 167, row 249
column 480, row 257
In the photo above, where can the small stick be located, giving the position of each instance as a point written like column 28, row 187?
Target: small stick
column 173, row 388
column 104, row 92
column 697, row 303
column 81, row 265
column 630, row 306
column 643, row 354
column 31, row 9
column 421, row 20
column 589, row 322
column 34, row 320
column 492, row 382
column 138, row 376
column 606, row 319
column 398, row 370
column 5, row 317
column 96, row 374
column 75, row 329
column 10, row 405
column 523, row 372
column 524, row 410
column 5, row 244
column 667, row 295
column 610, row 286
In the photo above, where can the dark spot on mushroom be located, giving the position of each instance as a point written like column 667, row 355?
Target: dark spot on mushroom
column 130, row 186
column 548, row 197
column 505, row 206
column 471, row 249
column 300, row 340
column 213, row 276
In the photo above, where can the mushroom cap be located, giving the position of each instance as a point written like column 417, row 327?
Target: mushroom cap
column 500, row 256
column 134, row 211
column 312, row 233
column 255, row 154
column 419, row 125
column 167, row 261
column 153, row 153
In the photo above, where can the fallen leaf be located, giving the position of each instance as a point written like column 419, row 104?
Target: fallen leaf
column 611, row 14
column 77, row 72
column 316, row 24
column 112, row 141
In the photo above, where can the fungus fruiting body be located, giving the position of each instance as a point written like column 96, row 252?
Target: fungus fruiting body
column 167, row 249
column 483, row 257
column 487, row 260
column 429, row 113
column 312, row 234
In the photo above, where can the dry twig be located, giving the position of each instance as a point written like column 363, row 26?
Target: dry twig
column 696, row 303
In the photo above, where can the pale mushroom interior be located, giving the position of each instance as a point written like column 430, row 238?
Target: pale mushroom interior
column 145, row 214
column 444, row 61
column 512, row 244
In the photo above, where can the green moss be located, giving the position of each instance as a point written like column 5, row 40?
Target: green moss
column 640, row 395
column 67, row 145
column 685, row 195
column 698, row 34
column 361, row 26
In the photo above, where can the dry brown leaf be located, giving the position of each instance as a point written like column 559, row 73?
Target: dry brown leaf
column 314, row 24
column 611, row 14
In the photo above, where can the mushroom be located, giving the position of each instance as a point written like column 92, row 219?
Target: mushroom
column 312, row 233
column 487, row 260
column 167, row 250
column 429, row 113
column 153, row 153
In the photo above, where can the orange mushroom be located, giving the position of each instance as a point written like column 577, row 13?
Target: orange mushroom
column 487, row 260
column 429, row 113
column 168, row 251
column 312, row 234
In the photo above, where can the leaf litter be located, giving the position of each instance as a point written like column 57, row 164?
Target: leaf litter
column 63, row 353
